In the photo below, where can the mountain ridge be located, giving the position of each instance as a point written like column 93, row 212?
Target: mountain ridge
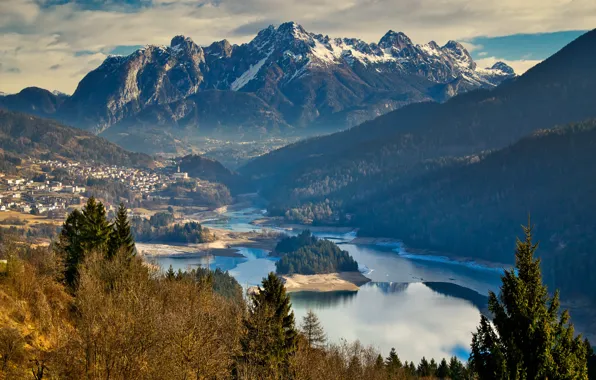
column 306, row 82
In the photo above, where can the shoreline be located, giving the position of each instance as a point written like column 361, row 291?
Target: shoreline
column 328, row 282
column 226, row 244
column 402, row 250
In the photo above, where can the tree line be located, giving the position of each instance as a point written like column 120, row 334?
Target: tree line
column 151, row 230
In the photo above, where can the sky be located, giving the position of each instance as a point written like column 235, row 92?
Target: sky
column 53, row 43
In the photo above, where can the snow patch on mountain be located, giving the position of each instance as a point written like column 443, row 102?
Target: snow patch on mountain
column 249, row 74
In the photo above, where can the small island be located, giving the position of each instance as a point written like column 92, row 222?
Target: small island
column 310, row 264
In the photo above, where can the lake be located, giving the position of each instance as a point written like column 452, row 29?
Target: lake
column 422, row 306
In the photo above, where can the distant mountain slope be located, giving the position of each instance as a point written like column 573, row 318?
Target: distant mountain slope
column 208, row 113
column 28, row 136
column 284, row 77
column 561, row 89
column 33, row 100
column 474, row 208
column 211, row 170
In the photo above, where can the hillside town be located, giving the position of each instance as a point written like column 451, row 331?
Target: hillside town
column 37, row 192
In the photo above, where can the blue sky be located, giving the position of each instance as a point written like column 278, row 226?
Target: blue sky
column 522, row 46
column 54, row 43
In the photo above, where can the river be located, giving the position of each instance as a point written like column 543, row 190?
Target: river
column 421, row 305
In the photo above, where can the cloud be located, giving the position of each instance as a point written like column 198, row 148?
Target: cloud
column 253, row 27
column 68, row 28
column 520, row 66
column 471, row 47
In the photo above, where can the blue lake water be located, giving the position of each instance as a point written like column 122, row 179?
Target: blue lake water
column 398, row 309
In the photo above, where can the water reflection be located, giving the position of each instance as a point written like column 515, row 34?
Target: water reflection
column 413, row 318
column 319, row 300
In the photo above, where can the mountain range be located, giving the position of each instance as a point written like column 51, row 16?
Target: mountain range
column 285, row 81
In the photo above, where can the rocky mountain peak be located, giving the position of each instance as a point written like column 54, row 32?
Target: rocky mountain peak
column 186, row 45
column 460, row 54
column 433, row 45
column 502, row 66
column 394, row 39
column 221, row 49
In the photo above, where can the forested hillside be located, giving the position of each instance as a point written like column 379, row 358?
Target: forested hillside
column 472, row 208
column 30, row 136
column 211, row 170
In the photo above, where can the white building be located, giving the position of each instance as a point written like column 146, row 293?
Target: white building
column 178, row 175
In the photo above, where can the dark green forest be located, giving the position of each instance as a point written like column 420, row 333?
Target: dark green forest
column 305, row 254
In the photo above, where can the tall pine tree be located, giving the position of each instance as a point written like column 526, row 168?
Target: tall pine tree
column 529, row 338
column 70, row 246
column 271, row 338
column 96, row 229
column 443, row 370
column 392, row 363
column 121, row 238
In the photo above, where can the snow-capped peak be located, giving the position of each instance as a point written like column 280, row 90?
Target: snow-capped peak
column 459, row 54
column 502, row 66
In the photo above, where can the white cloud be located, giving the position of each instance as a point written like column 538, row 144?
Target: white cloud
column 74, row 29
column 520, row 66
column 470, row 46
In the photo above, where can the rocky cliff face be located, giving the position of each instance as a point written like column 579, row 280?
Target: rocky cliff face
column 288, row 78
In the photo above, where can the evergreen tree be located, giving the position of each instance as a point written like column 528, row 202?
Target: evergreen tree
column 170, row 274
column 412, row 369
column 96, row 229
column 271, row 337
column 457, row 370
column 392, row 362
column 433, row 367
column 121, row 237
column 70, row 246
column 532, row 339
column 443, row 370
column 379, row 363
column 312, row 330
column 424, row 369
